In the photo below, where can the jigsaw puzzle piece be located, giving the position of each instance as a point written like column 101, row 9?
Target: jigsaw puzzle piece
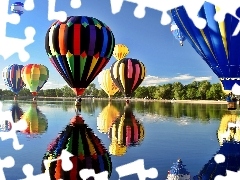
column 29, row 5
column 53, row 15
column 75, row 4
column 87, row 173
column 7, row 162
column 28, row 171
column 230, row 176
column 17, row 45
column 137, row 167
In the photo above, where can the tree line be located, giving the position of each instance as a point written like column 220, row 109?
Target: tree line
column 203, row 90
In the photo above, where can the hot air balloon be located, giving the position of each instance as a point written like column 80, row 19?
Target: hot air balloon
column 12, row 78
column 35, row 76
column 106, row 83
column 215, row 43
column 105, row 119
column 79, row 49
column 177, row 33
column 126, row 131
column 37, row 122
column 128, row 74
column 87, row 150
column 17, row 7
column 120, row 51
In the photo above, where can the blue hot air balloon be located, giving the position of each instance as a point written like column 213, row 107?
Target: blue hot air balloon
column 177, row 33
column 17, row 7
column 12, row 78
column 215, row 43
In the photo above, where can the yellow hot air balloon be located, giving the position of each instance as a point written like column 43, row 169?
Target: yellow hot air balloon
column 229, row 129
column 106, row 118
column 106, row 83
column 120, row 51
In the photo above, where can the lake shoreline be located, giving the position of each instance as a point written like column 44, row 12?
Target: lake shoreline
column 148, row 100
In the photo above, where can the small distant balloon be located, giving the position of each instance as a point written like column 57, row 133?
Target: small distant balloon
column 17, row 7
column 120, row 51
column 177, row 33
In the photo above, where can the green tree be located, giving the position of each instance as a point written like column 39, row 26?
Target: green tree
column 67, row 91
column 141, row 92
column 203, row 87
column 178, row 90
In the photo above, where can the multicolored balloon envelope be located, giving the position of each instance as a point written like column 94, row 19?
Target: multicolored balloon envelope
column 35, row 76
column 17, row 112
column 87, row 149
column 17, row 7
column 37, row 122
column 231, row 151
column 106, row 83
column 105, row 119
column 126, row 131
column 229, row 128
column 12, row 77
column 120, row 51
column 79, row 49
column 215, row 43
column 5, row 126
column 128, row 74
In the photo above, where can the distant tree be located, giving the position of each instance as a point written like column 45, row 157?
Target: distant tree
column 59, row 92
column 67, row 91
column 178, row 90
column 141, row 92
column 203, row 87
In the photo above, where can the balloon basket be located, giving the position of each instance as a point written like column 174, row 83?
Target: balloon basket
column 232, row 105
column 77, row 103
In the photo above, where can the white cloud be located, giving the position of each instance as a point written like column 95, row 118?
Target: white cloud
column 155, row 80
column 51, row 85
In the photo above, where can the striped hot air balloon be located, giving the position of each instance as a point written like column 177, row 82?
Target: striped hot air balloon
column 12, row 77
column 79, row 49
column 128, row 74
column 35, row 76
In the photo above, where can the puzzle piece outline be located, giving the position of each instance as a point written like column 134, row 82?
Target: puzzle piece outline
column 18, row 126
column 192, row 9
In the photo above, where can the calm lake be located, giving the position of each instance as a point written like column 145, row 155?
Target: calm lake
column 159, row 133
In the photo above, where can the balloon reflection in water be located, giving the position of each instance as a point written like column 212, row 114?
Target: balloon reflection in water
column 126, row 131
column 37, row 122
column 228, row 137
column 231, row 151
column 87, row 149
column 5, row 126
column 106, row 118
column 17, row 112
column 229, row 128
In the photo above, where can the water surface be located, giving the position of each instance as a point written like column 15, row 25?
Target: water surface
column 166, row 131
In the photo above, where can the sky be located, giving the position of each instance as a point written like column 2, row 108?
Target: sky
column 147, row 39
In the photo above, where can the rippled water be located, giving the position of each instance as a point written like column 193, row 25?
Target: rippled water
column 160, row 133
